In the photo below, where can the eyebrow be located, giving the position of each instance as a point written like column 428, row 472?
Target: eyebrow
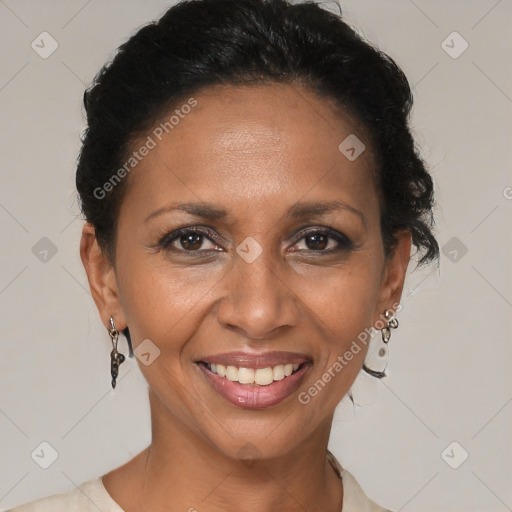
column 205, row 210
column 314, row 209
column 297, row 211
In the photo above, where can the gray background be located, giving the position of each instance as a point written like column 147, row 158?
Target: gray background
column 449, row 372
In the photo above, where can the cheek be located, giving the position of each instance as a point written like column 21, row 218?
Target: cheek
column 342, row 305
column 343, row 298
column 165, row 305
column 163, row 302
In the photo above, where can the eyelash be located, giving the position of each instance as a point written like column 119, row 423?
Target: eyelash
column 344, row 243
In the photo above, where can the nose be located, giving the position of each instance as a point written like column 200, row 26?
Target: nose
column 259, row 302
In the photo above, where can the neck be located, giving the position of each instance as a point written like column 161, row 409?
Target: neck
column 180, row 471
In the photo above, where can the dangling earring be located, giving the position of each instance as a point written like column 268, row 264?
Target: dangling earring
column 391, row 323
column 116, row 358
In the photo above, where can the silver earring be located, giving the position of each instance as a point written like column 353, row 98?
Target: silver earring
column 391, row 323
column 116, row 358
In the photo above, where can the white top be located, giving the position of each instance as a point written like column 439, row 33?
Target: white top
column 92, row 496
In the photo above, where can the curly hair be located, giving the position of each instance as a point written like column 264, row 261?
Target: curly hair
column 202, row 43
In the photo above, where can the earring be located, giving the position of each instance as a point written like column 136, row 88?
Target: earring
column 391, row 323
column 116, row 358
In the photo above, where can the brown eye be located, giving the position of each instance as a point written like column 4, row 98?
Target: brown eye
column 316, row 242
column 189, row 240
column 325, row 240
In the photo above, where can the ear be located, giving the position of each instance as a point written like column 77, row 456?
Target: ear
column 393, row 276
column 102, row 279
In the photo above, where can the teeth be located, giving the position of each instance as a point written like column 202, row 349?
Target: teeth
column 264, row 376
column 278, row 372
column 246, row 375
column 232, row 373
column 260, row 376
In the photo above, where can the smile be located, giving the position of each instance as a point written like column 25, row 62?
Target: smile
column 255, row 381
column 259, row 376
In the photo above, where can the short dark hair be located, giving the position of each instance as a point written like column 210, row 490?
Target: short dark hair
column 201, row 43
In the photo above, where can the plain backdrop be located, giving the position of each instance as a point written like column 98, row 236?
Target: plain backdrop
column 435, row 434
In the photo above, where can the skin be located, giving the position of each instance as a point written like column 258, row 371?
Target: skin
column 254, row 151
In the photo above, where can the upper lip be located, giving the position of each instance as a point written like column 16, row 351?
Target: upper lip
column 256, row 360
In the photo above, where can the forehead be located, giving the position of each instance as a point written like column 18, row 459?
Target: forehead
column 252, row 144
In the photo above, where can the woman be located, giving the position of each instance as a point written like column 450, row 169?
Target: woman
column 252, row 191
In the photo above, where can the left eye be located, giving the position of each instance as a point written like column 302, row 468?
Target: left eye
column 319, row 241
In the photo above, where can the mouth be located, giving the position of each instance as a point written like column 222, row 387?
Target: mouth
column 254, row 382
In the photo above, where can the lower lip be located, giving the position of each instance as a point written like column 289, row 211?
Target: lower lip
column 253, row 396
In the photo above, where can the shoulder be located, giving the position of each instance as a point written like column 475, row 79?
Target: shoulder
column 88, row 496
column 354, row 498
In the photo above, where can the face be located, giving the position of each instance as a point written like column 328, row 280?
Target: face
column 247, row 239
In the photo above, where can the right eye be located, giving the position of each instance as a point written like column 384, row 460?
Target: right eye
column 190, row 239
